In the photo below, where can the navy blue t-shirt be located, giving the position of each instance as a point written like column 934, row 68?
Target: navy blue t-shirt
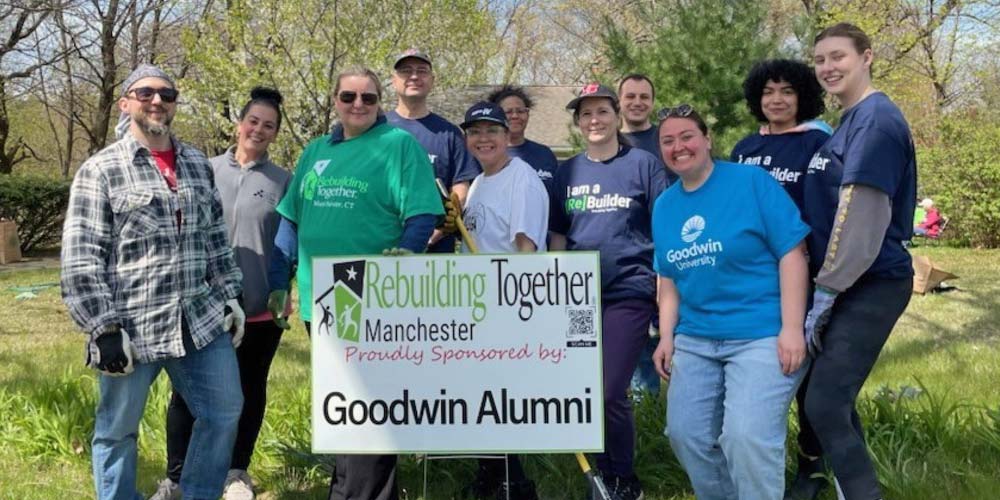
column 540, row 158
column 784, row 156
column 649, row 140
column 872, row 146
column 446, row 149
column 607, row 206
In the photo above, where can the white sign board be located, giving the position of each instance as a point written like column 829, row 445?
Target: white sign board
column 457, row 353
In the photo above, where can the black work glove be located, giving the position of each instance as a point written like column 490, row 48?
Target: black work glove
column 111, row 352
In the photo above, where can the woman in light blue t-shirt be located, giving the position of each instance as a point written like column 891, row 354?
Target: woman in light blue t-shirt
column 733, row 279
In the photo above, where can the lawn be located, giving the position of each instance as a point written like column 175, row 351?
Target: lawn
column 931, row 407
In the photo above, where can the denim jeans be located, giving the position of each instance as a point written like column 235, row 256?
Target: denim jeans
column 209, row 381
column 254, row 357
column 727, row 416
column 645, row 377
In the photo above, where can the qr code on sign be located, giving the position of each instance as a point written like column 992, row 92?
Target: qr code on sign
column 581, row 323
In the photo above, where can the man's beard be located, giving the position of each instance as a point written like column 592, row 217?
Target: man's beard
column 151, row 128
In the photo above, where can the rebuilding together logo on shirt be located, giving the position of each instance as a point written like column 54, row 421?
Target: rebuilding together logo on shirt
column 697, row 254
column 588, row 198
column 331, row 192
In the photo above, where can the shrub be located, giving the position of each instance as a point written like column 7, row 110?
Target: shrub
column 962, row 174
column 38, row 206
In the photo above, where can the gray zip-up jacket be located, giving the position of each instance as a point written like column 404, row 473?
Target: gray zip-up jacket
column 249, row 196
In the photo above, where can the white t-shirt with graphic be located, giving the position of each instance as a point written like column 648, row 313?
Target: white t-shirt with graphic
column 504, row 204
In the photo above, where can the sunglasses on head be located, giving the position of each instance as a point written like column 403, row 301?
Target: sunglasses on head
column 145, row 94
column 349, row 96
column 681, row 111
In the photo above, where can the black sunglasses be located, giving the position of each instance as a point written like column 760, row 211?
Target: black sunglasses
column 681, row 111
column 145, row 94
column 349, row 96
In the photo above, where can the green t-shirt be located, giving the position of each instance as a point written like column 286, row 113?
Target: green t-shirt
column 352, row 197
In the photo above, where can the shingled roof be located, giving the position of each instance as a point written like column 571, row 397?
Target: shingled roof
column 550, row 122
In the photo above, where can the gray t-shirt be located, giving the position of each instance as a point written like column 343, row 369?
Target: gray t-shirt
column 249, row 198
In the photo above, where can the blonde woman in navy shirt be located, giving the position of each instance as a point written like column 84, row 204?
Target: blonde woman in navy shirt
column 602, row 199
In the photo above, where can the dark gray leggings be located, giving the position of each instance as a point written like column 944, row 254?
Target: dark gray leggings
column 862, row 319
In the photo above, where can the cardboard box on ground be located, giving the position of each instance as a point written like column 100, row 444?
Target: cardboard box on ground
column 927, row 275
column 10, row 245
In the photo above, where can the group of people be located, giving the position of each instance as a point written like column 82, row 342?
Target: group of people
column 768, row 283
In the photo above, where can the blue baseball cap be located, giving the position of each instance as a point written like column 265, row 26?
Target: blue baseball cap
column 483, row 111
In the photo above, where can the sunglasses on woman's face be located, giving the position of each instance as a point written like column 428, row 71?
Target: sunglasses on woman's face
column 349, row 96
column 682, row 111
column 145, row 94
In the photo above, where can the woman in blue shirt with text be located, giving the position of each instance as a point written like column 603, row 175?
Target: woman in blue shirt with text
column 732, row 294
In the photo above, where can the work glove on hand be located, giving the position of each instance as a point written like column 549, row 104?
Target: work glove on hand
column 277, row 301
column 818, row 317
column 111, row 352
column 234, row 321
column 397, row 251
column 452, row 212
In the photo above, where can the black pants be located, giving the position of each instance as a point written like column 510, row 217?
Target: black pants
column 862, row 319
column 362, row 477
column 254, row 356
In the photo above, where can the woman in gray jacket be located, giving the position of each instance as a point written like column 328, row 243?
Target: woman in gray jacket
column 251, row 186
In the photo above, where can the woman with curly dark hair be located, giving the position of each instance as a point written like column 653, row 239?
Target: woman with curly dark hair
column 785, row 98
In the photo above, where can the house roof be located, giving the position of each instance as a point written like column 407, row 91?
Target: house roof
column 550, row 123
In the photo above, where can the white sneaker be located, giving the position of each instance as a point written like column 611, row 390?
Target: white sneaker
column 167, row 490
column 238, row 486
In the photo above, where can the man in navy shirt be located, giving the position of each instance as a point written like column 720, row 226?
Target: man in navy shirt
column 637, row 94
column 413, row 79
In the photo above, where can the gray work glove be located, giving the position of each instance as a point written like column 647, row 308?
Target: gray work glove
column 818, row 317
column 234, row 321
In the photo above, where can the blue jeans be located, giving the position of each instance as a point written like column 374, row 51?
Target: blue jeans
column 209, row 381
column 645, row 377
column 727, row 416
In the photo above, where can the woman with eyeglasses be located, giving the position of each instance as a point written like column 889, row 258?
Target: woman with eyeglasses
column 250, row 185
column 506, row 211
column 733, row 281
column 516, row 105
column 602, row 200
column 365, row 188
column 860, row 194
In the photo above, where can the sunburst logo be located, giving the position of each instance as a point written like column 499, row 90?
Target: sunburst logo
column 692, row 229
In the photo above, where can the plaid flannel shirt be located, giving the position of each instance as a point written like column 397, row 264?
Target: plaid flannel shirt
column 124, row 260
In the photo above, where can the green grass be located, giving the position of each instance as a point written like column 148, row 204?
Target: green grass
column 930, row 406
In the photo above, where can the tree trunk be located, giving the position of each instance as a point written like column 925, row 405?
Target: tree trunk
column 108, row 78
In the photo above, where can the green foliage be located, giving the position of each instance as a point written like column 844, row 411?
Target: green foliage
column 699, row 54
column 37, row 205
column 962, row 175
column 299, row 47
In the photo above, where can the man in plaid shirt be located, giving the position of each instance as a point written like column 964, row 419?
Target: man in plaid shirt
column 148, row 274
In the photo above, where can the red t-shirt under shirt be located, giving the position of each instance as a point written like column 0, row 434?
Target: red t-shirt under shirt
column 166, row 162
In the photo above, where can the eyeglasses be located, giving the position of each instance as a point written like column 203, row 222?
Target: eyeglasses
column 407, row 71
column 681, row 111
column 145, row 94
column 349, row 96
column 515, row 111
column 492, row 131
